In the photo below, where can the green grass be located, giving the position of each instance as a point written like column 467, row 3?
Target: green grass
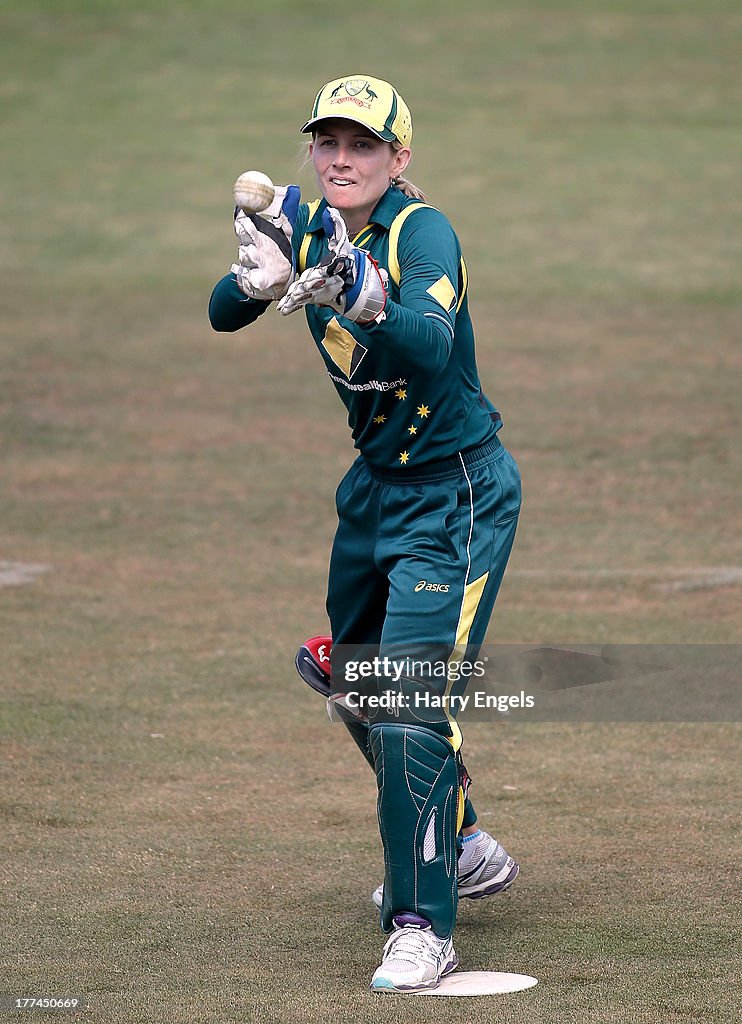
column 183, row 838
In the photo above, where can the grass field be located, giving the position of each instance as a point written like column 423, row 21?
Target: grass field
column 184, row 837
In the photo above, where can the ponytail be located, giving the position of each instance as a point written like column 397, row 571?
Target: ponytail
column 407, row 188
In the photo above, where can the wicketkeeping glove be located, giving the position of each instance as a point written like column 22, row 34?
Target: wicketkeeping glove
column 265, row 263
column 347, row 280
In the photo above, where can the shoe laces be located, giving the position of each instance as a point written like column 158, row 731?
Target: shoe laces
column 414, row 944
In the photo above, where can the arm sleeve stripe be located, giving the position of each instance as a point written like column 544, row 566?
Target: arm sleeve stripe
column 436, row 316
column 464, row 282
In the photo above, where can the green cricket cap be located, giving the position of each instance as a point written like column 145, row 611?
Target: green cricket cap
column 369, row 101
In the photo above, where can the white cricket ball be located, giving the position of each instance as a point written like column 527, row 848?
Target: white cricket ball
column 253, row 191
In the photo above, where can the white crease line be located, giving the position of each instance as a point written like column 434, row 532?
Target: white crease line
column 666, row 579
column 15, row 574
column 731, row 572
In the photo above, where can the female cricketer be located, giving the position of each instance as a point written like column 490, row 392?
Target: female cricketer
column 427, row 513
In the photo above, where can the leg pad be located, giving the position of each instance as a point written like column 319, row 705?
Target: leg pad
column 418, row 795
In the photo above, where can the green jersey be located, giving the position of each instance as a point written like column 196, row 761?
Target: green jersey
column 410, row 381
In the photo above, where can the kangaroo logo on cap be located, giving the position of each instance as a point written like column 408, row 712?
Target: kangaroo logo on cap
column 354, row 87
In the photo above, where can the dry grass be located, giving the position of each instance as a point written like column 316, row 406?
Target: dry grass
column 183, row 836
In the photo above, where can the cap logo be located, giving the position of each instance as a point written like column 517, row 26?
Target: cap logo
column 353, row 88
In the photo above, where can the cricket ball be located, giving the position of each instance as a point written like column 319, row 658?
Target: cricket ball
column 253, row 191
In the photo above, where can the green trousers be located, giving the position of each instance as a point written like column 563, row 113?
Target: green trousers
column 417, row 562
column 451, row 527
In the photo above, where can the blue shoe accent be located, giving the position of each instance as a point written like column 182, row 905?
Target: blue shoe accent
column 382, row 983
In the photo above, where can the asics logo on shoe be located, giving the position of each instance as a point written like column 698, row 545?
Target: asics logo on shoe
column 472, row 871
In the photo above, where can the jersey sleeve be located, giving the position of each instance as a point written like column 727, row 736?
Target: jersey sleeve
column 229, row 308
column 420, row 326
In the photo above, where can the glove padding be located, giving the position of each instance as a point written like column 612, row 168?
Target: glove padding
column 347, row 280
column 265, row 264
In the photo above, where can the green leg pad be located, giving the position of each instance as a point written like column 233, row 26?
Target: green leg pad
column 418, row 783
column 360, row 730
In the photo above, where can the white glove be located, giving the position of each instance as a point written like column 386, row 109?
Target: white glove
column 265, row 263
column 349, row 280
column 317, row 286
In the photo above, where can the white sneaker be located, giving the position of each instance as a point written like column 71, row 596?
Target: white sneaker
column 414, row 957
column 485, row 868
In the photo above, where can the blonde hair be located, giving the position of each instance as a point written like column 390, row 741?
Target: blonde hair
column 405, row 186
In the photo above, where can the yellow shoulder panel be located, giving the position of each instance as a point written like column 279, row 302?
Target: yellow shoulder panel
column 394, row 232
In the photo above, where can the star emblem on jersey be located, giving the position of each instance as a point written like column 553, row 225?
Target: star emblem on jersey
column 412, row 429
column 423, row 410
column 404, row 457
column 401, row 394
column 380, row 419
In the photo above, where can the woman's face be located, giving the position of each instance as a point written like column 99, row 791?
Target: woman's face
column 353, row 168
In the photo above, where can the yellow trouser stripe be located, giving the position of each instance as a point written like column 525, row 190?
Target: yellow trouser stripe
column 460, row 811
column 472, row 596
column 456, row 739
